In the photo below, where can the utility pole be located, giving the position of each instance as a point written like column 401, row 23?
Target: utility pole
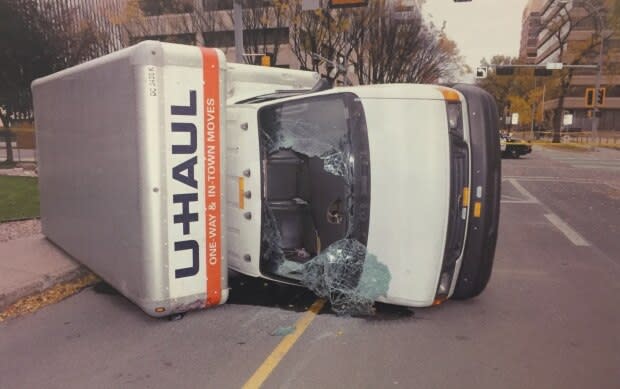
column 597, row 87
column 238, row 21
column 543, row 102
column 533, row 107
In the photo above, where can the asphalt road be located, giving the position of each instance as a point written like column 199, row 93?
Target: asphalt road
column 550, row 317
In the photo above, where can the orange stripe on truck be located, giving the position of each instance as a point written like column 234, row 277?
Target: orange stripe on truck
column 213, row 219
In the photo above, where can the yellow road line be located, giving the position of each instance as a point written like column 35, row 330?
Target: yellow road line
column 264, row 371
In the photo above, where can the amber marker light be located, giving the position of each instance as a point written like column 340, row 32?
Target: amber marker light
column 477, row 209
column 449, row 94
column 466, row 196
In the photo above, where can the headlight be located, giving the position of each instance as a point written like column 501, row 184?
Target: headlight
column 445, row 281
column 455, row 117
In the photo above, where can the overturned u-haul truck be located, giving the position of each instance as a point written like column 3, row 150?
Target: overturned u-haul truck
column 161, row 166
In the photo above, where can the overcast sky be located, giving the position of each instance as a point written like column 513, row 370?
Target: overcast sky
column 481, row 28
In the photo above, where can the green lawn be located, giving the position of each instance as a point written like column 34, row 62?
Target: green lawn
column 19, row 198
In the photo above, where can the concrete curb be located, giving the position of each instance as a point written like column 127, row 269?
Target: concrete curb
column 11, row 297
column 31, row 265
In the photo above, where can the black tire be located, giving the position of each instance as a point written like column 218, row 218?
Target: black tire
column 514, row 153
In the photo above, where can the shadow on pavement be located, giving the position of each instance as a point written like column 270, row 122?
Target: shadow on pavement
column 259, row 292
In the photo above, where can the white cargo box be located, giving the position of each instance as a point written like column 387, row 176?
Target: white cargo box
column 131, row 172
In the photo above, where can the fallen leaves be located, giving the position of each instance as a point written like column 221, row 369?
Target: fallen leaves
column 47, row 297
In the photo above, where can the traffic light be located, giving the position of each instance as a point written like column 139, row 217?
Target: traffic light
column 589, row 97
column 600, row 96
column 503, row 70
column 265, row 59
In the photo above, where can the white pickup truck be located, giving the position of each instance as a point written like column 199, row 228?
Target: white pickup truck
column 162, row 165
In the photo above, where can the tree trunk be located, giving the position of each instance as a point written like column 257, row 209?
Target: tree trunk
column 7, row 136
column 558, row 118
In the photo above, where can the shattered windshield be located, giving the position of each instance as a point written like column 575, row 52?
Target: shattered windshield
column 316, row 200
column 313, row 126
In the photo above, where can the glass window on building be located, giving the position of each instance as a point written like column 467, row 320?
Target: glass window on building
column 221, row 5
column 163, row 7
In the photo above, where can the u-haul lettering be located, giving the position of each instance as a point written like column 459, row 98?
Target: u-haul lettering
column 185, row 178
column 184, row 173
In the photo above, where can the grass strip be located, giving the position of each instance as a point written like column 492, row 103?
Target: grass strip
column 565, row 146
column 19, row 198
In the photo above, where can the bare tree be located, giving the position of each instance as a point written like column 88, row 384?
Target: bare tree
column 264, row 22
column 323, row 32
column 265, row 27
column 385, row 43
column 395, row 46
column 38, row 38
column 168, row 21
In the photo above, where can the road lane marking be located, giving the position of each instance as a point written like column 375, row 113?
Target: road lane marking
column 560, row 224
column 264, row 371
column 563, row 180
column 529, row 198
column 571, row 234
column 554, row 179
column 510, row 199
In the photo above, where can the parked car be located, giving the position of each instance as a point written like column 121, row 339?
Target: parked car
column 514, row 147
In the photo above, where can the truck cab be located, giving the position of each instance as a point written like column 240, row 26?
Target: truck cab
column 387, row 166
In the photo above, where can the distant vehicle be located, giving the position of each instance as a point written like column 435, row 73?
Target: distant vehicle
column 514, row 147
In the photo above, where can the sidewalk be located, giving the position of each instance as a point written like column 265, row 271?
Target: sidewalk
column 30, row 265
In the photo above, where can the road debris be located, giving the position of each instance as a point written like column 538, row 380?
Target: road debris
column 283, row 331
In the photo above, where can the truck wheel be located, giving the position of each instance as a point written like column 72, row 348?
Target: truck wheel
column 514, row 153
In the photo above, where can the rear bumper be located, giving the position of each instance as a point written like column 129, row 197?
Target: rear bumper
column 483, row 222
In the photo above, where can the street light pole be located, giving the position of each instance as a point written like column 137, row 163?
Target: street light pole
column 595, row 120
column 238, row 26
column 533, row 106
